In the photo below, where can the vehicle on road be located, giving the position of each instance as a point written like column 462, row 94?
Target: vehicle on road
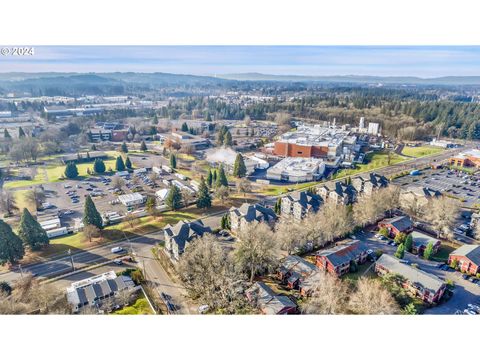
column 117, row 250
column 118, row 262
column 202, row 309
column 465, row 277
column 469, row 312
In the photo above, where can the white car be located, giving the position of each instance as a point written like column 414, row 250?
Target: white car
column 202, row 309
column 117, row 249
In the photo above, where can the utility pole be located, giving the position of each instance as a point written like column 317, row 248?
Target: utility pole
column 71, row 258
column 21, row 270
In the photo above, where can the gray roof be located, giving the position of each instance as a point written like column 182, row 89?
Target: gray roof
column 184, row 232
column 401, row 223
column 267, row 300
column 343, row 252
column 307, row 200
column 299, row 265
column 252, row 212
column 415, row 276
column 421, row 239
column 472, row 252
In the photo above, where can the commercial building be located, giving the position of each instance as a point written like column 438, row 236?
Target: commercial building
column 95, row 290
column 318, row 141
column 443, row 144
column 186, row 139
column 466, row 158
column 85, row 156
column 132, row 199
column 427, row 287
column 100, row 134
column 227, row 156
column 295, row 169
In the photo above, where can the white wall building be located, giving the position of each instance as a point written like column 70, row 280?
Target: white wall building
column 132, row 199
column 293, row 169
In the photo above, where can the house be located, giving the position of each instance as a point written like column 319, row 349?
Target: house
column 294, row 270
column 340, row 194
column 427, row 287
column 368, row 185
column 248, row 213
column 421, row 241
column 337, row 260
column 178, row 236
column 467, row 257
column 418, row 194
column 264, row 298
column 396, row 225
column 299, row 204
column 95, row 290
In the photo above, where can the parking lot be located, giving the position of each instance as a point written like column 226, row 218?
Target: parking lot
column 458, row 184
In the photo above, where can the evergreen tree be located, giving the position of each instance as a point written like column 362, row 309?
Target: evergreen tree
column 128, row 163
column 119, row 165
column 221, row 178
column 225, row 222
column 91, row 216
column 173, row 161
column 408, row 243
column 400, row 253
column 227, row 139
column 204, row 199
column 239, row 168
column 11, row 246
column 124, row 148
column 174, row 198
column 185, row 127
column 155, row 120
column 93, row 147
column 21, row 133
column 427, row 254
column 208, row 117
column 99, row 166
column 209, row 178
column 71, row 171
column 6, row 134
column 31, row 232
column 214, row 177
column 143, row 146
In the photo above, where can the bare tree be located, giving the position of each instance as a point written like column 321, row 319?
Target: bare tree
column 367, row 209
column 36, row 196
column 187, row 197
column 243, row 186
column 7, row 202
column 412, row 205
column 90, row 232
column 132, row 220
column 118, row 182
column 328, row 296
column 290, row 234
column 371, row 298
column 442, row 214
column 222, row 193
column 256, row 251
column 187, row 149
column 209, row 275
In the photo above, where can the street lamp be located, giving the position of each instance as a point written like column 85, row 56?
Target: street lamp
column 71, row 259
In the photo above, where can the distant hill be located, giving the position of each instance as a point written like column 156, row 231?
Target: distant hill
column 447, row 80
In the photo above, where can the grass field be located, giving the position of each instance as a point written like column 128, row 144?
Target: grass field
column 273, row 190
column 420, row 151
column 22, row 202
column 117, row 232
column 443, row 252
column 373, row 161
column 139, row 307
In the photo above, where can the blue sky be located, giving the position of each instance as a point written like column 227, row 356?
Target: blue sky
column 421, row 61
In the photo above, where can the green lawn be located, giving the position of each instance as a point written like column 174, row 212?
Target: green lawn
column 273, row 190
column 374, row 161
column 361, row 272
column 22, row 202
column 139, row 307
column 443, row 252
column 420, row 151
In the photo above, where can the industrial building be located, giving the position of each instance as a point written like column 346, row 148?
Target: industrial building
column 227, row 156
column 186, row 139
column 132, row 199
column 294, row 169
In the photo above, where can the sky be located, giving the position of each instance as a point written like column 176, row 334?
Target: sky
column 420, row 61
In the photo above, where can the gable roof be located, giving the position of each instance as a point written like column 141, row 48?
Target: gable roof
column 343, row 252
column 182, row 232
column 252, row 212
column 297, row 264
column 267, row 300
column 417, row 277
column 421, row 239
column 401, row 223
column 471, row 252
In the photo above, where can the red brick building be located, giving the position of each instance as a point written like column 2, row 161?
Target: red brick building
column 468, row 258
column 396, row 225
column 295, row 150
column 337, row 260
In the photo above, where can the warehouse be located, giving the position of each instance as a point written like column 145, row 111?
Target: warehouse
column 132, row 199
column 294, row 169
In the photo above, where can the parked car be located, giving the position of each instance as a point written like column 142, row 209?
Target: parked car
column 118, row 262
column 202, row 309
column 117, row 250
column 465, row 276
column 469, row 312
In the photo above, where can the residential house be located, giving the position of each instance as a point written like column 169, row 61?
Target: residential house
column 421, row 241
column 299, row 204
column 468, row 258
column 308, row 285
column 95, row 290
column 396, row 225
column 337, row 260
column 248, row 213
column 294, row 270
column 264, row 298
column 419, row 195
column 369, row 184
column 427, row 287
column 178, row 236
